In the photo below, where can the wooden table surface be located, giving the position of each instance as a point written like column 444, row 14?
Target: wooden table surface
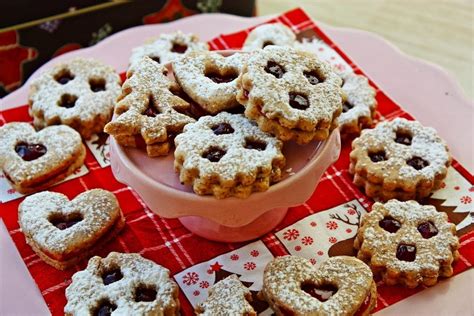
column 438, row 31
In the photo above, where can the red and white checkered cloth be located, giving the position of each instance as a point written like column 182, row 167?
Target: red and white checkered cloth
column 168, row 243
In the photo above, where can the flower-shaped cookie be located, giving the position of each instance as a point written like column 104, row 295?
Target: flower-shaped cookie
column 227, row 155
column 80, row 93
column 33, row 161
column 210, row 79
column 148, row 113
column 399, row 159
column 290, row 94
column 340, row 286
column 407, row 243
column 269, row 34
column 227, row 297
column 122, row 284
column 64, row 232
column 359, row 107
column 168, row 47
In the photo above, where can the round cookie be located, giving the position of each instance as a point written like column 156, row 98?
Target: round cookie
column 210, row 79
column 290, row 94
column 80, row 93
column 359, row 107
column 407, row 243
column 122, row 284
column 33, row 161
column 227, row 155
column 168, row 47
column 399, row 159
column 339, row 286
column 269, row 34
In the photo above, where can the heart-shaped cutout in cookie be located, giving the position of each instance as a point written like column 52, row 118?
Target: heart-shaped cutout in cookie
column 210, row 79
column 63, row 232
column 32, row 160
column 340, row 286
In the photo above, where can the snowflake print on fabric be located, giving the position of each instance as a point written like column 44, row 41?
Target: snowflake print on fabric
column 190, row 278
column 313, row 261
column 254, row 253
column 196, row 293
column 250, row 266
column 234, row 257
column 291, row 234
column 466, row 199
column 204, row 285
column 307, row 241
column 332, row 225
column 324, row 234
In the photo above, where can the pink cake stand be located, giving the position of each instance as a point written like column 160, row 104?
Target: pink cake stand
column 231, row 219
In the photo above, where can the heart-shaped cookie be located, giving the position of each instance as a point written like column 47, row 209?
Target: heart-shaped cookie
column 210, row 79
column 33, row 161
column 340, row 286
column 63, row 232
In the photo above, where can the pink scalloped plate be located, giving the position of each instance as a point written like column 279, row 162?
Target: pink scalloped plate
column 425, row 90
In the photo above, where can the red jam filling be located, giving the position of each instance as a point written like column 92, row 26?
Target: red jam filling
column 30, row 152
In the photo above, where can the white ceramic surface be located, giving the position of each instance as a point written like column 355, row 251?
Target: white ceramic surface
column 423, row 89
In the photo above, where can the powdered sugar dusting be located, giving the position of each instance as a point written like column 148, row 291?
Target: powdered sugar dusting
column 98, row 208
column 199, row 136
column 431, row 253
column 161, row 48
column 284, row 276
column 63, row 144
column 191, row 70
column 273, row 93
column 361, row 96
column 87, row 288
column 269, row 34
column 227, row 297
column 46, row 93
column 147, row 80
column 425, row 144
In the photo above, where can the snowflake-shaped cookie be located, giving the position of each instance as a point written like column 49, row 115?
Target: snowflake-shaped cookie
column 147, row 111
column 291, row 94
column 227, row 155
column 122, row 284
column 80, row 93
column 399, row 159
column 407, row 243
column 269, row 34
column 168, row 47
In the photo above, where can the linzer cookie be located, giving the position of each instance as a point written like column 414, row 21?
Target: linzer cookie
column 407, row 243
column 168, row 47
column 400, row 160
column 80, row 93
column 359, row 107
column 210, row 79
column 291, row 94
column 122, row 284
column 227, row 155
column 227, row 297
column 340, row 286
column 33, row 161
column 148, row 113
column 64, row 232
column 269, row 34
